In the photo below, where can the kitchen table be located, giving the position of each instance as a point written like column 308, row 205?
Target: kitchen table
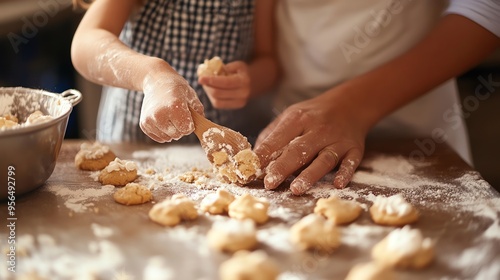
column 71, row 228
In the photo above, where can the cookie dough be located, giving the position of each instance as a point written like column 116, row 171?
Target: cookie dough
column 233, row 235
column 393, row 211
column 217, row 203
column 337, row 210
column 246, row 265
column 315, row 232
column 194, row 177
column 118, row 173
column 37, row 117
column 370, row 271
column 133, row 194
column 170, row 212
column 404, row 248
column 212, row 67
column 249, row 207
column 8, row 121
column 93, row 156
column 241, row 169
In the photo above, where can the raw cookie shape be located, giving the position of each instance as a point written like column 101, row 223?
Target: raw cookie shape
column 393, row 211
column 233, row 235
column 337, row 210
column 118, row 173
column 404, row 248
column 217, row 203
column 370, row 271
column 170, row 212
column 133, row 194
column 93, row 156
column 249, row 207
column 246, row 265
column 240, row 169
column 212, row 67
column 315, row 232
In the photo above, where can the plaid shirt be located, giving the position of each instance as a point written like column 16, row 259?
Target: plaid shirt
column 184, row 33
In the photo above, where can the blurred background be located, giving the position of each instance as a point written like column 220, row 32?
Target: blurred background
column 35, row 40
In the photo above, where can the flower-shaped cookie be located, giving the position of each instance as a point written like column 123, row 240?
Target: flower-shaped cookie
column 249, row 266
column 170, row 212
column 393, row 211
column 337, row 210
column 315, row 232
column 118, row 173
column 233, row 235
column 217, row 203
column 249, row 207
column 404, row 248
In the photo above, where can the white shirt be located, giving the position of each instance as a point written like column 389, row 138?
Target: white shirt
column 484, row 12
column 323, row 42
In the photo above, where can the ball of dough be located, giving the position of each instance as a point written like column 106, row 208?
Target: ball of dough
column 240, row 169
column 217, row 203
column 315, row 232
column 393, row 211
column 337, row 210
column 8, row 121
column 249, row 207
column 233, row 235
column 170, row 212
column 212, row 67
column 370, row 271
column 93, row 156
column 118, row 173
column 133, row 194
column 246, row 265
column 404, row 248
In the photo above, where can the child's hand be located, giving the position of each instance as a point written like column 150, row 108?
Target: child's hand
column 231, row 91
column 165, row 112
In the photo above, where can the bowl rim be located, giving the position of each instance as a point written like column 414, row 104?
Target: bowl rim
column 71, row 97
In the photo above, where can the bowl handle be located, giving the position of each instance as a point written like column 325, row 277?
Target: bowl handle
column 73, row 96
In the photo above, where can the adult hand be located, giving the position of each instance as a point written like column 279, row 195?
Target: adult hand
column 231, row 91
column 317, row 135
column 165, row 114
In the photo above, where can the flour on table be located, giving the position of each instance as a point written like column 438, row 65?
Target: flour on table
column 101, row 231
column 47, row 259
column 157, row 269
column 79, row 200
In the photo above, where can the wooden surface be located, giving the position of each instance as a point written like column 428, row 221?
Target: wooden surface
column 459, row 211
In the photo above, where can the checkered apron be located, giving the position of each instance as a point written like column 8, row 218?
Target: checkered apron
column 184, row 33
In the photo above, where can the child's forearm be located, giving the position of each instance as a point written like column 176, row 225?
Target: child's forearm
column 99, row 55
column 453, row 46
column 101, row 58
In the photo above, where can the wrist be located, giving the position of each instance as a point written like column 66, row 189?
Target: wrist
column 354, row 102
column 156, row 70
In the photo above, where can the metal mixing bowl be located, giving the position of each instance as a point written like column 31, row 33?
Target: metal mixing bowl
column 30, row 152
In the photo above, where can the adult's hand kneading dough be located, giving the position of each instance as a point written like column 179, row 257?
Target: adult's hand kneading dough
column 313, row 136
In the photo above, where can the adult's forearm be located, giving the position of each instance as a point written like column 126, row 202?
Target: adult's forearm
column 264, row 73
column 455, row 45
